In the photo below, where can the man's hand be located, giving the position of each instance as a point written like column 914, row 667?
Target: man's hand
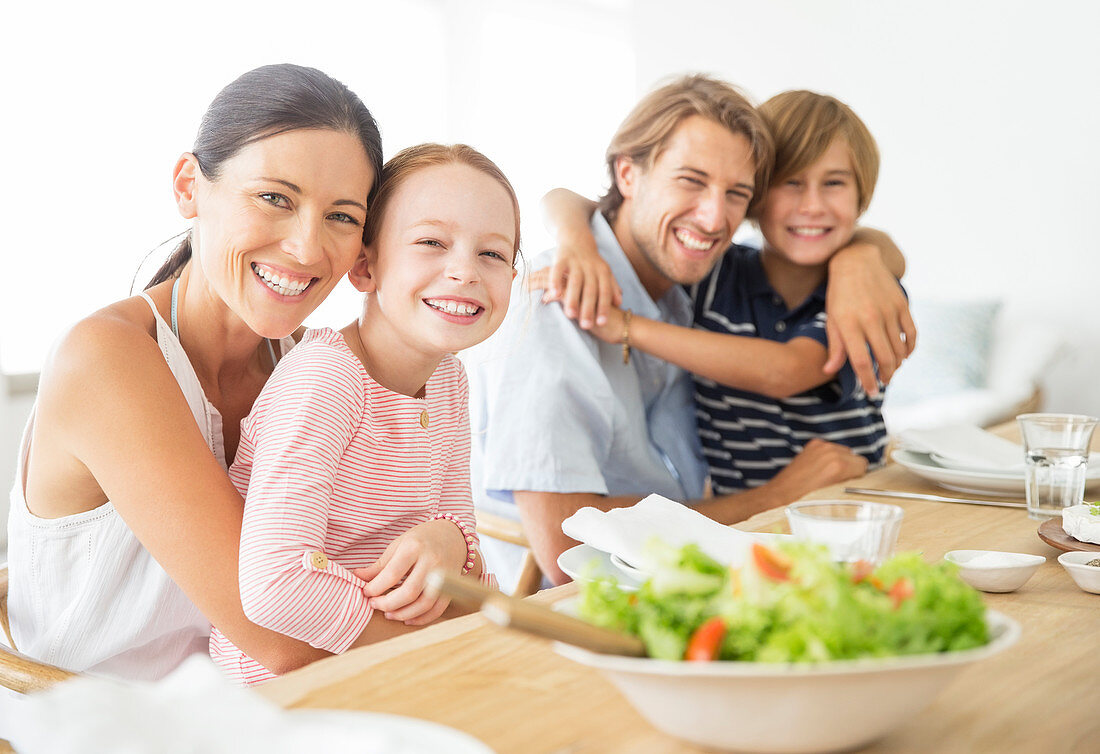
column 867, row 314
column 395, row 582
column 820, row 464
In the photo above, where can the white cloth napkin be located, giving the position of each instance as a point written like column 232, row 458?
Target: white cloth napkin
column 625, row 531
column 967, row 446
column 195, row 709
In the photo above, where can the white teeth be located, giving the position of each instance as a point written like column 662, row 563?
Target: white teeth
column 692, row 243
column 281, row 284
column 453, row 307
column 809, row 231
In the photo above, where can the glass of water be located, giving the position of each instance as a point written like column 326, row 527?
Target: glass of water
column 1056, row 453
column 851, row 529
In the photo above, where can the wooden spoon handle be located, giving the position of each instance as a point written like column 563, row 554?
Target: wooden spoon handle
column 534, row 618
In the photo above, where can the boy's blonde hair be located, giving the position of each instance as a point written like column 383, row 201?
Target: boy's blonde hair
column 406, row 162
column 648, row 127
column 803, row 124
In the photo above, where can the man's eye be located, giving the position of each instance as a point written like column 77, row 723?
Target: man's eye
column 690, row 180
column 277, row 200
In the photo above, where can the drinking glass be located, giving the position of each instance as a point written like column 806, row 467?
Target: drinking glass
column 851, row 529
column 1056, row 454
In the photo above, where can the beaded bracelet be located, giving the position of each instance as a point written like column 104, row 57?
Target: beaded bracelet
column 471, row 551
column 626, row 336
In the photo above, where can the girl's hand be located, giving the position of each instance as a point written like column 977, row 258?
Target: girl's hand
column 395, row 582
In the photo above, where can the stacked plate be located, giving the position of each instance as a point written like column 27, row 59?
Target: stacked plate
column 982, row 481
column 969, row 459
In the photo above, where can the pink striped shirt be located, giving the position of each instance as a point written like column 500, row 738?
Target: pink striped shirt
column 330, row 462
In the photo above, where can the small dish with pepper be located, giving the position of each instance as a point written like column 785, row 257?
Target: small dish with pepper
column 1083, row 568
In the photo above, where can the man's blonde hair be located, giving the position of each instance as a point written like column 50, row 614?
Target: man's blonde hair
column 647, row 129
column 803, row 124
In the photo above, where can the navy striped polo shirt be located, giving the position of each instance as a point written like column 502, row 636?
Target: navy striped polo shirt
column 748, row 438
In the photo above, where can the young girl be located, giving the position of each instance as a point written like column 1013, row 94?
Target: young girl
column 355, row 458
column 759, row 348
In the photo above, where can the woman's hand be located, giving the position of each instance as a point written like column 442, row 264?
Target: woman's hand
column 395, row 582
column 867, row 314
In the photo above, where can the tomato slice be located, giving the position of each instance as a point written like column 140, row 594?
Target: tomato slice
column 901, row 591
column 772, row 563
column 861, row 570
column 705, row 641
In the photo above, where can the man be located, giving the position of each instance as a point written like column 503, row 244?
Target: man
column 562, row 420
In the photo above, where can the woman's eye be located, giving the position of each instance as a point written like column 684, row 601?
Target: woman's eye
column 344, row 217
column 277, row 200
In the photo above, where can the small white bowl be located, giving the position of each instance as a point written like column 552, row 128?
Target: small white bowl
column 1008, row 577
column 1087, row 577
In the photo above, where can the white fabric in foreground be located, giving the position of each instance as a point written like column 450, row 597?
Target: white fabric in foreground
column 194, row 709
column 626, row 531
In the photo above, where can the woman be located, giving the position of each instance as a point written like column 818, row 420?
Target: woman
column 125, row 528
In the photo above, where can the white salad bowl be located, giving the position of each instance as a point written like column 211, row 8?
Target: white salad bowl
column 772, row 707
column 994, row 571
column 1085, row 576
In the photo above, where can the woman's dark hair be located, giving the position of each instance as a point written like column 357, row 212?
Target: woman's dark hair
column 267, row 101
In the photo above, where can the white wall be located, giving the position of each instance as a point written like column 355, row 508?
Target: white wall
column 988, row 121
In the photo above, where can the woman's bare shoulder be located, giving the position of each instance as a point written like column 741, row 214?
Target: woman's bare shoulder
column 120, row 335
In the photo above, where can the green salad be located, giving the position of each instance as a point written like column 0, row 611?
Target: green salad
column 790, row 603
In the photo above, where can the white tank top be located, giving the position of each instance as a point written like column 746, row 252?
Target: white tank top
column 83, row 593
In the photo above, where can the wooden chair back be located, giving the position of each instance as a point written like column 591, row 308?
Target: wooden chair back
column 507, row 530
column 17, row 671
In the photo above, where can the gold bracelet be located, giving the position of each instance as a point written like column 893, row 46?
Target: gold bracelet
column 626, row 335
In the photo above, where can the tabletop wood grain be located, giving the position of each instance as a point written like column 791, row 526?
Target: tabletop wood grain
column 515, row 694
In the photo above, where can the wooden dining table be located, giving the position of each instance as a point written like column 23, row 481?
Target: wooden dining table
column 514, row 693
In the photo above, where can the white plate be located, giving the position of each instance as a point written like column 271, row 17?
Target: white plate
column 371, row 732
column 628, row 569
column 574, row 562
column 967, row 480
column 950, row 463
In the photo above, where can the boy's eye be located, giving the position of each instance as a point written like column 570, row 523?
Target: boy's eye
column 277, row 200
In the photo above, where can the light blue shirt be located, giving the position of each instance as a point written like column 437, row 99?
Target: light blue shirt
column 553, row 409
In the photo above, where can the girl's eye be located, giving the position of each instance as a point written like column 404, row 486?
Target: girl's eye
column 835, row 182
column 429, row 242
column 793, row 182
column 495, row 255
column 274, row 199
column 344, row 217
